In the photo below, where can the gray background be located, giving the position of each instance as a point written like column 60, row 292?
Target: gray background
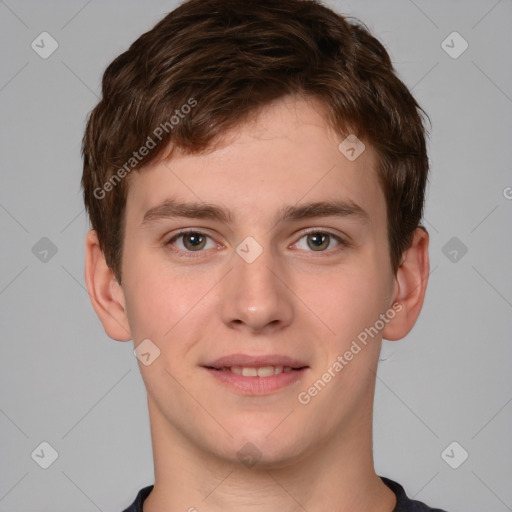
column 63, row 381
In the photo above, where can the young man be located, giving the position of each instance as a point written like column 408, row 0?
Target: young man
column 255, row 177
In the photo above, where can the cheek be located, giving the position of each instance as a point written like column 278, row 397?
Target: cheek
column 160, row 300
column 348, row 302
column 151, row 301
column 350, row 305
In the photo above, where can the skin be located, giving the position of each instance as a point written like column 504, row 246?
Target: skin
column 292, row 300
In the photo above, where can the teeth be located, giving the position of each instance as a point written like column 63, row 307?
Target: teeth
column 265, row 371
column 262, row 371
column 249, row 372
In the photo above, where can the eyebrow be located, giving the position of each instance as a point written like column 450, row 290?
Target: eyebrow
column 170, row 208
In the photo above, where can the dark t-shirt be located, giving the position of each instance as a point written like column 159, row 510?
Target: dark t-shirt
column 403, row 503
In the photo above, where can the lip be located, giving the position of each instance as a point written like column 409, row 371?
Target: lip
column 259, row 360
column 256, row 385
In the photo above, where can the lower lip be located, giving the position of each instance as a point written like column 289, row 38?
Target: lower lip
column 257, row 385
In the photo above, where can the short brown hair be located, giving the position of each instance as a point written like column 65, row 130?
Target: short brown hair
column 226, row 59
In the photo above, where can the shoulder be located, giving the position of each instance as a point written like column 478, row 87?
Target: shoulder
column 405, row 504
column 136, row 506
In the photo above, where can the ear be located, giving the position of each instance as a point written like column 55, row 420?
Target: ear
column 107, row 296
column 410, row 285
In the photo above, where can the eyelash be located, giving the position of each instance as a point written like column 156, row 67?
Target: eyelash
column 190, row 254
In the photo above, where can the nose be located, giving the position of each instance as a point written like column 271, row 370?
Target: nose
column 255, row 296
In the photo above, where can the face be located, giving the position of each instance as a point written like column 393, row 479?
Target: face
column 254, row 268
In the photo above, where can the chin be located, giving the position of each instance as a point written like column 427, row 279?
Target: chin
column 260, row 447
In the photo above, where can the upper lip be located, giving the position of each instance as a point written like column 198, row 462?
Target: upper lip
column 245, row 360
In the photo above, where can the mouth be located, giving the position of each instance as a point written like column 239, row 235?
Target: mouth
column 256, row 375
column 257, row 371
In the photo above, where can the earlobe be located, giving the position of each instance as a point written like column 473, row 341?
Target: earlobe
column 411, row 284
column 106, row 294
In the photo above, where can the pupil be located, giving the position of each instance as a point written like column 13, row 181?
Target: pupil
column 194, row 240
column 318, row 240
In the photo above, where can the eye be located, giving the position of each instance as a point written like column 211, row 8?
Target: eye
column 319, row 241
column 190, row 241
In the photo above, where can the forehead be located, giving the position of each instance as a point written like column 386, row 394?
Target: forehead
column 285, row 156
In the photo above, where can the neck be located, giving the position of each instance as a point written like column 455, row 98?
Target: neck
column 336, row 474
